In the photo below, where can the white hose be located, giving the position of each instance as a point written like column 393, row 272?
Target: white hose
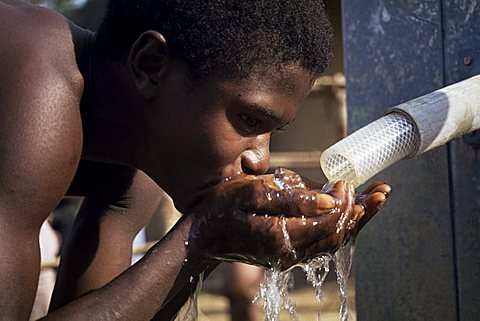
column 407, row 130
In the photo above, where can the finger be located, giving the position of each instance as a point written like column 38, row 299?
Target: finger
column 257, row 197
column 374, row 188
column 295, row 202
column 310, row 240
column 358, row 212
column 378, row 187
column 341, row 190
column 283, row 178
column 345, row 195
column 312, row 184
column 372, row 205
column 308, row 230
column 374, row 201
column 384, row 188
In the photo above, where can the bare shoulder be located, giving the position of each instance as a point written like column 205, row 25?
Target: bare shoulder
column 31, row 34
column 40, row 123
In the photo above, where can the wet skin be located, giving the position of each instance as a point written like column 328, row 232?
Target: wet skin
column 316, row 222
column 223, row 127
column 87, row 132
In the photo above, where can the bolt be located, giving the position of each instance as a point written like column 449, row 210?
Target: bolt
column 467, row 60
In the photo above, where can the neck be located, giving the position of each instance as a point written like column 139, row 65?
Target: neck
column 113, row 132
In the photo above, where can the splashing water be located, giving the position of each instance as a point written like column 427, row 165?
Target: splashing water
column 274, row 290
column 343, row 263
column 316, row 271
column 189, row 311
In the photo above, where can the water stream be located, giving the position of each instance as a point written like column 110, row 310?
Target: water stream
column 274, row 291
column 343, row 263
column 189, row 312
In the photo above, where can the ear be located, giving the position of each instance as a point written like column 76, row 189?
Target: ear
column 146, row 59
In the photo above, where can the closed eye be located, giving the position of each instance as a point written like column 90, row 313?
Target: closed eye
column 251, row 125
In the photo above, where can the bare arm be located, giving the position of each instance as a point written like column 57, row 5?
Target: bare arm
column 119, row 202
column 139, row 292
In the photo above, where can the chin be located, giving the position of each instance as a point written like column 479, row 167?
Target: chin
column 185, row 207
column 187, row 199
column 185, row 204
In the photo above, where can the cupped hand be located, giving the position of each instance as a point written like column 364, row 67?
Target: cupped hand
column 280, row 219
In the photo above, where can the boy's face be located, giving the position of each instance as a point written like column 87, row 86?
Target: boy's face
column 221, row 127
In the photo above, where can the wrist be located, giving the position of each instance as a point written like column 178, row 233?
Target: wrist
column 195, row 253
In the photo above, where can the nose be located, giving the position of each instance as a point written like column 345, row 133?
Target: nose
column 256, row 160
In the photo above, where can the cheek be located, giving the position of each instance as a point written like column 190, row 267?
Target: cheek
column 216, row 144
column 225, row 146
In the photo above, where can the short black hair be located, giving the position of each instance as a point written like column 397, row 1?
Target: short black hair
column 229, row 35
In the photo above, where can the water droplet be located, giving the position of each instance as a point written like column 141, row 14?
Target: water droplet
column 315, row 223
column 186, row 243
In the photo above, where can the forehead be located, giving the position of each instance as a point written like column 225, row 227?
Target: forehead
column 274, row 94
column 290, row 79
column 290, row 82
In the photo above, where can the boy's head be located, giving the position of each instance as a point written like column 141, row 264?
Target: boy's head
column 231, row 36
column 212, row 80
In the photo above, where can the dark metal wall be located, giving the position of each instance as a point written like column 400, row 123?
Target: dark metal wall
column 419, row 259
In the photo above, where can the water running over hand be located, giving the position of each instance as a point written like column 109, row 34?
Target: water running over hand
column 274, row 290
